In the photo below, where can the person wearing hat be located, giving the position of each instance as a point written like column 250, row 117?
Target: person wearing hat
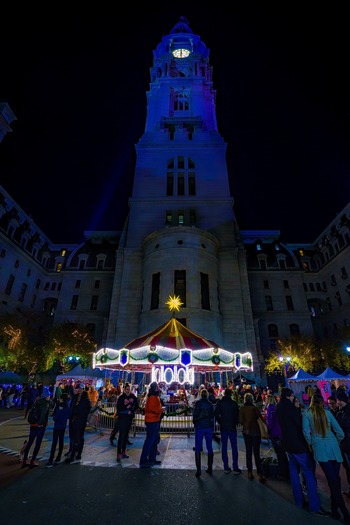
column 153, row 415
column 343, row 418
column 37, row 430
column 298, row 451
column 203, row 420
column 80, row 409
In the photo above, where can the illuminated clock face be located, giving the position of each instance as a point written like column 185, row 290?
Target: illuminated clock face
column 181, row 53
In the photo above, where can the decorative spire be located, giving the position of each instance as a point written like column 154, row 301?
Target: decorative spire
column 182, row 26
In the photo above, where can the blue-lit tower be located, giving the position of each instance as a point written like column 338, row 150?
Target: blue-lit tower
column 181, row 235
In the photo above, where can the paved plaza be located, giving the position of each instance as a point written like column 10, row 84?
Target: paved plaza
column 99, row 490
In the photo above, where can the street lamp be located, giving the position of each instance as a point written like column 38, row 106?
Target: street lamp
column 285, row 362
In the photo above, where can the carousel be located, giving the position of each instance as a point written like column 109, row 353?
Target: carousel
column 173, row 353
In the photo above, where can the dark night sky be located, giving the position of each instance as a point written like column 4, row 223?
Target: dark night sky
column 77, row 83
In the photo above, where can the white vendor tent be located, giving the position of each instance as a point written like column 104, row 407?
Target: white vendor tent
column 300, row 380
column 330, row 375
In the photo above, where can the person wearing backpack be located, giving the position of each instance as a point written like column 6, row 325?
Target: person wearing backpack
column 37, row 428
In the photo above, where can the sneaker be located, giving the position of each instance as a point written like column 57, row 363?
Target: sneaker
column 57, row 461
column 68, row 460
column 25, row 464
column 237, row 471
column 49, row 464
column 67, row 453
column 119, row 457
column 227, row 470
column 125, row 456
column 322, row 513
column 156, row 462
column 33, row 464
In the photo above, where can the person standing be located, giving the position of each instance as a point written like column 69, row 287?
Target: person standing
column 60, row 417
column 343, row 418
column 127, row 404
column 298, row 452
column 248, row 418
column 227, row 415
column 203, row 420
column 37, row 431
column 323, row 433
column 275, row 435
column 33, row 394
column 153, row 415
column 80, row 408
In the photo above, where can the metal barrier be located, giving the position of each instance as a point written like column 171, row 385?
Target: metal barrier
column 175, row 421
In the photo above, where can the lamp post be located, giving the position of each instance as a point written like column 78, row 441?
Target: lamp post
column 285, row 362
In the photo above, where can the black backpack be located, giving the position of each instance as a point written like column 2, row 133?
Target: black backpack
column 34, row 414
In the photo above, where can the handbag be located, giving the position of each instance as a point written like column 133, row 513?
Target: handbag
column 263, row 429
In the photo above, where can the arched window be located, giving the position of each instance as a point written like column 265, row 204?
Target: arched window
column 294, row 329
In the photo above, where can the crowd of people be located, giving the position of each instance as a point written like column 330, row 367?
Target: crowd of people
column 301, row 434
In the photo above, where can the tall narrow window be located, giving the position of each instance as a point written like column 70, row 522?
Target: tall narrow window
column 266, row 285
column 285, row 284
column 180, row 285
column 268, row 302
column 97, row 283
column 181, row 183
column 22, row 292
column 191, row 183
column 94, row 302
column 181, row 177
column 205, row 291
column 74, row 302
column 289, row 301
column 155, row 291
column 170, row 184
column 9, row 285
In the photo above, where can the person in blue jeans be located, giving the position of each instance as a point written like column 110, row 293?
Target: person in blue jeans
column 153, row 416
column 37, row 431
column 203, row 420
column 227, row 414
column 60, row 417
column 297, row 448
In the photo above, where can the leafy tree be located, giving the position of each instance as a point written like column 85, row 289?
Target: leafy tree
column 65, row 340
column 20, row 349
column 308, row 354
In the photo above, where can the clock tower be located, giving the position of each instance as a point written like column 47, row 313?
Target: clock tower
column 181, row 236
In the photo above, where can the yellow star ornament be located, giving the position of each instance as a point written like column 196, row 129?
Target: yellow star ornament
column 174, row 303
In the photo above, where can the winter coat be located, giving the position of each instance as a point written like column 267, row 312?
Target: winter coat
column 44, row 407
column 153, row 408
column 61, row 416
column 203, row 414
column 80, row 409
column 127, row 405
column 324, row 448
column 272, row 423
column 248, row 418
column 227, row 414
column 290, row 420
column 343, row 418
